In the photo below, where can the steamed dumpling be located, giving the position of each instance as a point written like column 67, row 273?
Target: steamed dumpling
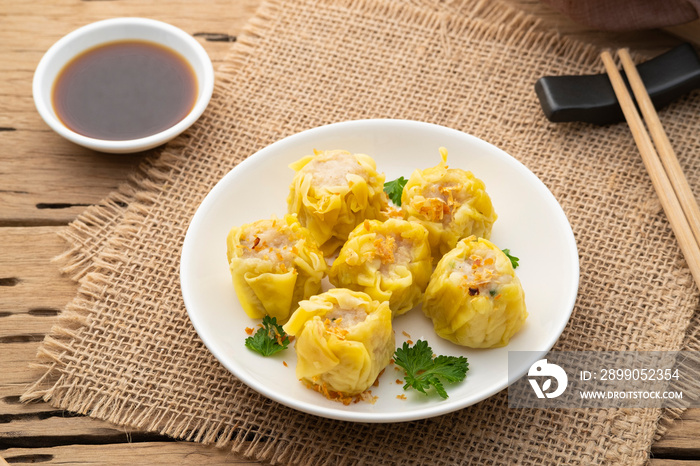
column 344, row 339
column 474, row 297
column 274, row 264
column 334, row 191
column 390, row 261
column 451, row 203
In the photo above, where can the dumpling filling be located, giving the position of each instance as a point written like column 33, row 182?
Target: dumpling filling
column 332, row 169
column 438, row 202
column 268, row 243
column 344, row 318
column 479, row 275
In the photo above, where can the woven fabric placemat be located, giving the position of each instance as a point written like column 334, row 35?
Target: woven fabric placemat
column 125, row 350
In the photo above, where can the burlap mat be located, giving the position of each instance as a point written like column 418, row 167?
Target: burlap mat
column 126, row 352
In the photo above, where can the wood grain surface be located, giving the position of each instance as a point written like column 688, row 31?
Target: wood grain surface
column 45, row 182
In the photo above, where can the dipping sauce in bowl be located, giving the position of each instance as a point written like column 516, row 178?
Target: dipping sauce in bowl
column 123, row 85
column 124, row 90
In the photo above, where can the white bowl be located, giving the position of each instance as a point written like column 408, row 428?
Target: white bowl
column 111, row 30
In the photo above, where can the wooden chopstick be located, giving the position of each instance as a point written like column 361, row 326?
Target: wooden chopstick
column 660, row 180
column 663, row 145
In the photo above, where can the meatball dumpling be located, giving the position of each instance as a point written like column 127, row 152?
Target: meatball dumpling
column 390, row 261
column 334, row 191
column 474, row 297
column 343, row 340
column 274, row 264
column 451, row 203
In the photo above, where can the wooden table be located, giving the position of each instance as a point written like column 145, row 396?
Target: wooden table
column 45, row 182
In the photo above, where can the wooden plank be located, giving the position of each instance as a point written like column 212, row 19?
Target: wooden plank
column 11, row 406
column 32, row 295
column 14, row 365
column 671, row 462
column 17, row 376
column 62, row 428
column 46, row 180
column 130, row 453
column 682, row 440
column 30, row 284
column 18, row 328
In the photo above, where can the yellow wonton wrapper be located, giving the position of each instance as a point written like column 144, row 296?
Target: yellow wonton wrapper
column 474, row 297
column 274, row 264
column 451, row 203
column 334, row 191
column 344, row 339
column 390, row 261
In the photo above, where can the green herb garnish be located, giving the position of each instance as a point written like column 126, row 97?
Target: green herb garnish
column 394, row 189
column 269, row 339
column 513, row 260
column 423, row 370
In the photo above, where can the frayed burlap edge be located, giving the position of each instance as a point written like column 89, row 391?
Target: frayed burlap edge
column 115, row 216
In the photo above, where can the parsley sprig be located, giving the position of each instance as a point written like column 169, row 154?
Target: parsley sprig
column 513, row 260
column 269, row 339
column 394, row 189
column 422, row 370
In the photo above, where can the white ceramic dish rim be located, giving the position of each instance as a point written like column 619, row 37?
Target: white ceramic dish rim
column 443, row 407
column 110, row 30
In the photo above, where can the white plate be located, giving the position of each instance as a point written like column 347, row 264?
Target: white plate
column 530, row 222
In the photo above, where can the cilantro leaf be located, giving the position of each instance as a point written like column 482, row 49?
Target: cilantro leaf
column 513, row 260
column 423, row 371
column 269, row 339
column 394, row 189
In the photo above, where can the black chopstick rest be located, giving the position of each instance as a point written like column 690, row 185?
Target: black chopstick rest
column 591, row 98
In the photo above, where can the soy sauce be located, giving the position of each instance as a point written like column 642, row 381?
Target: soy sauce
column 124, row 90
